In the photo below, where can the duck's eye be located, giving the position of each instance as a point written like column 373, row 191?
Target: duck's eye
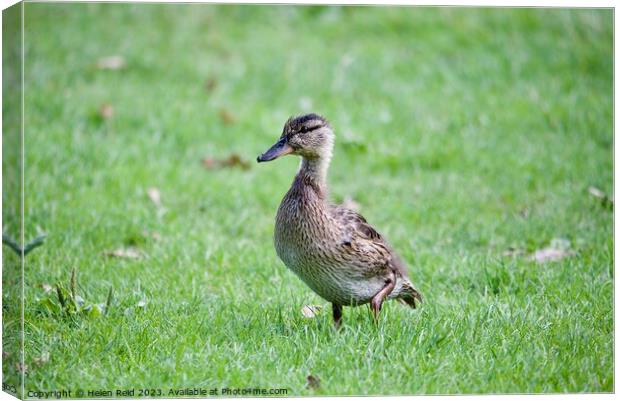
column 305, row 129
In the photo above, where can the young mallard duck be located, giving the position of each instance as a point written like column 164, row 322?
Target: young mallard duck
column 331, row 248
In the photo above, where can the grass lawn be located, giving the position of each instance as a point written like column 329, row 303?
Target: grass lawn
column 463, row 134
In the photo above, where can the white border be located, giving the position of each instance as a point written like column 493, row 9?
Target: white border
column 478, row 3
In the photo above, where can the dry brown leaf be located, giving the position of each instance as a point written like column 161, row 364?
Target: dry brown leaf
column 210, row 84
column 227, row 117
column 313, row 382
column 154, row 195
column 106, row 111
column 234, row 160
column 209, row 162
column 557, row 250
column 311, row 311
column 111, row 63
column 126, row 253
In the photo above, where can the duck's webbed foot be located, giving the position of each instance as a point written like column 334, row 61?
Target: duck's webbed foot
column 337, row 310
column 377, row 300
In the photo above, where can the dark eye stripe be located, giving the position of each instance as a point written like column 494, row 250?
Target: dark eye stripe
column 303, row 130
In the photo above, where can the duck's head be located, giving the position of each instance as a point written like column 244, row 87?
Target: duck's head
column 309, row 136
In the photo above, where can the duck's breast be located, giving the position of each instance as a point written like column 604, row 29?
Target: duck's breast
column 309, row 242
column 314, row 257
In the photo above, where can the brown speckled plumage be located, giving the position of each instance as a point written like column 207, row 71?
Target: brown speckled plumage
column 331, row 248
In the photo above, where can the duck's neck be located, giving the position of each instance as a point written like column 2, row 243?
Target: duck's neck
column 313, row 172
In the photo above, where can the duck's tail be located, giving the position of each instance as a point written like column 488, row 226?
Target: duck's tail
column 408, row 295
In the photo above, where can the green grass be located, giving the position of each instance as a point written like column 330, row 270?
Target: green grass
column 461, row 133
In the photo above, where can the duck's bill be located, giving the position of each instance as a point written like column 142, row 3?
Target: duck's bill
column 281, row 148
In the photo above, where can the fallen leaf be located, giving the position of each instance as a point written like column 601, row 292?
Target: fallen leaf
column 154, row 196
column 226, row 117
column 349, row 203
column 44, row 358
column 311, row 311
column 210, row 84
column 106, row 111
column 234, row 160
column 605, row 200
column 128, row 253
column 209, row 162
column 313, row 382
column 111, row 63
column 558, row 249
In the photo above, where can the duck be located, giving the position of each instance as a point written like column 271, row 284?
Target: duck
column 331, row 248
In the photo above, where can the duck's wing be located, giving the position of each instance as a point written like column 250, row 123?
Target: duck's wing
column 371, row 252
column 364, row 243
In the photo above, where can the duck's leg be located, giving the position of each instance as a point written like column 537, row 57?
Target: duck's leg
column 337, row 310
column 377, row 300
